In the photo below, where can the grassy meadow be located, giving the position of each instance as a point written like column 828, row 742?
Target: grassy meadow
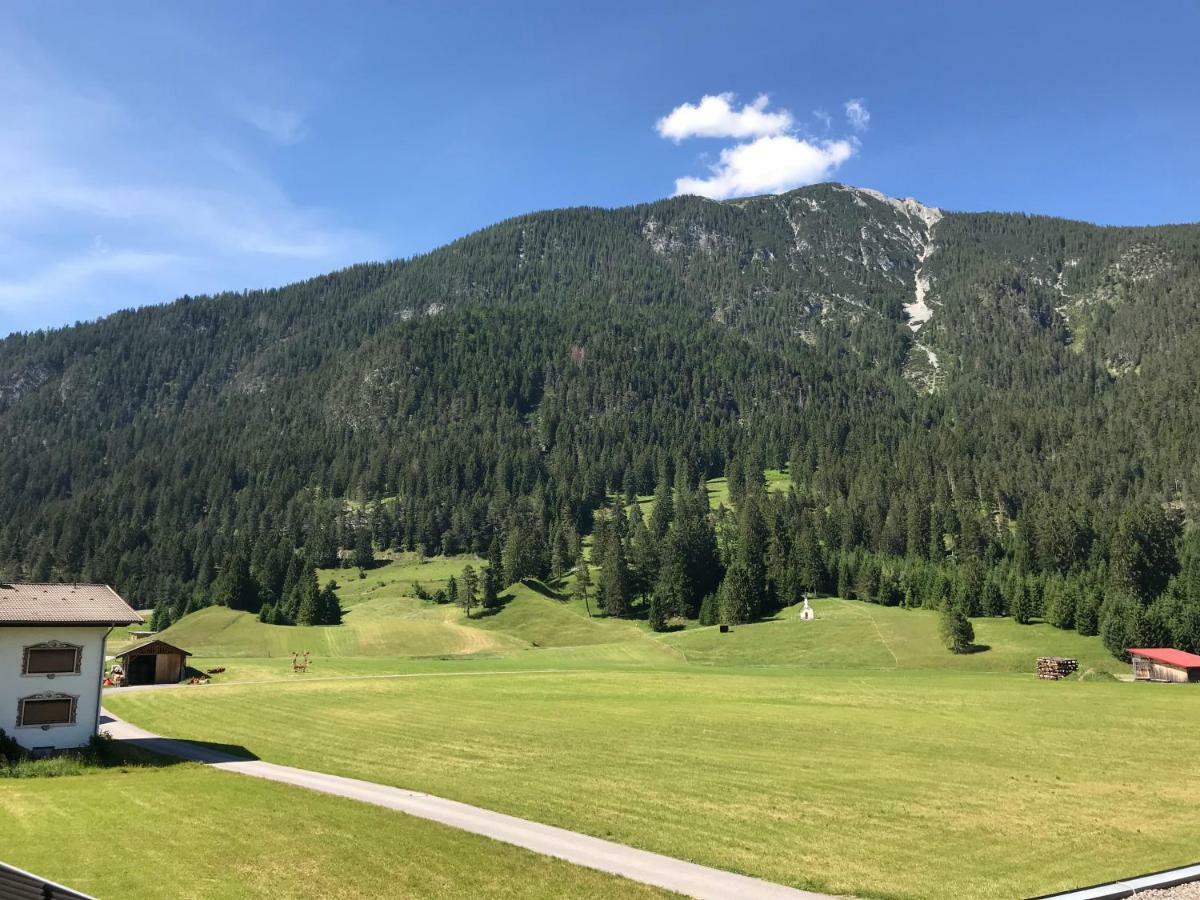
column 147, row 832
column 921, row 783
column 852, row 754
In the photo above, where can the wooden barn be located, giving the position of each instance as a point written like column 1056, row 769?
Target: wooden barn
column 153, row 662
column 1164, row 664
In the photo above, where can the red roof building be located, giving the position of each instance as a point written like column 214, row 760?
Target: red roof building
column 1164, row 664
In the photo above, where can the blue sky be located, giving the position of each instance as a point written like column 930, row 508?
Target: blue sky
column 153, row 150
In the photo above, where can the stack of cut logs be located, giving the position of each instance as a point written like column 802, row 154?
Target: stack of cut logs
column 1055, row 667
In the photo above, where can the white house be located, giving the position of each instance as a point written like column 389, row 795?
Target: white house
column 52, row 640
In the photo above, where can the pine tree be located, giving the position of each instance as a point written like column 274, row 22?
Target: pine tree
column 309, row 596
column 492, row 576
column 737, row 601
column 1117, row 615
column 1020, row 601
column 236, row 588
column 513, row 555
column 470, row 586
column 664, row 507
column 753, row 540
column 452, row 591
column 614, row 578
column 364, row 550
column 657, row 617
column 844, row 584
column 560, row 559
column 955, row 629
column 329, row 609
column 583, row 583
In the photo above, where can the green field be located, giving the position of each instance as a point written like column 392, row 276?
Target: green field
column 185, row 830
column 873, row 783
column 851, row 754
column 397, row 576
column 778, row 482
column 852, row 634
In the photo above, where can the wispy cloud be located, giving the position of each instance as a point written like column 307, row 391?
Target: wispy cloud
column 772, row 156
column 857, row 114
column 181, row 209
column 280, row 124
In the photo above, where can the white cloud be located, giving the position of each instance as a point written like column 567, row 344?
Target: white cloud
column 857, row 114
column 824, row 118
column 772, row 157
column 715, row 117
column 769, row 165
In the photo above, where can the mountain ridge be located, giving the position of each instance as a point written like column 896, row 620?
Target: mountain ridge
column 530, row 369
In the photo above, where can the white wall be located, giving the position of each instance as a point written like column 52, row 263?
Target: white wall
column 85, row 685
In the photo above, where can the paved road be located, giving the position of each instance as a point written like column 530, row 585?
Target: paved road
column 649, row 868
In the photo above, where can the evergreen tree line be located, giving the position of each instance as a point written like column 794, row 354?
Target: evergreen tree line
column 494, row 396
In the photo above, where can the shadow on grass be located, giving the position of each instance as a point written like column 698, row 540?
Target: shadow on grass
column 540, row 587
column 107, row 754
column 978, row 648
column 483, row 612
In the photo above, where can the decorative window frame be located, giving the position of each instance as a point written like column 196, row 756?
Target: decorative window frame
column 51, row 645
column 48, row 695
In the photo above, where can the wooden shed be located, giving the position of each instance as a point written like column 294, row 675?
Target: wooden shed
column 153, row 662
column 1164, row 664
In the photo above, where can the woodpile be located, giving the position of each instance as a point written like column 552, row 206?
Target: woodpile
column 1056, row 667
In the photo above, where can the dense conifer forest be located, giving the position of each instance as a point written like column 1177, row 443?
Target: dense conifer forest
column 1030, row 450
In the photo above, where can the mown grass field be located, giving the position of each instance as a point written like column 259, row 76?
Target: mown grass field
column 185, row 830
column 903, row 783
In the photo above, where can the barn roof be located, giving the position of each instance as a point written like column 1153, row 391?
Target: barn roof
column 170, row 648
column 1166, row 655
column 63, row 604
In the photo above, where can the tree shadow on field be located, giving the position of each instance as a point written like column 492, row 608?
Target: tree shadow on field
column 540, row 587
column 977, row 648
column 483, row 612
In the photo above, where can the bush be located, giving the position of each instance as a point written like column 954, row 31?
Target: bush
column 708, row 610
column 10, row 751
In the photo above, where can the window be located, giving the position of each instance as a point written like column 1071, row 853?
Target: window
column 46, row 710
column 52, row 658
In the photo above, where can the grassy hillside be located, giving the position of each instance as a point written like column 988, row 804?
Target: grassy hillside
column 849, row 634
column 235, row 837
column 397, row 577
column 385, row 622
column 545, row 617
column 912, row 784
column 383, row 627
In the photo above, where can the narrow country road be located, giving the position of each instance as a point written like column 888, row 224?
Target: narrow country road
column 686, row 878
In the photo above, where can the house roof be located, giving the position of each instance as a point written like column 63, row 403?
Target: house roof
column 144, row 644
column 1166, row 655
column 63, row 604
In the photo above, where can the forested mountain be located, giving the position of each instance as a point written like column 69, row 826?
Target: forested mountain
column 997, row 408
